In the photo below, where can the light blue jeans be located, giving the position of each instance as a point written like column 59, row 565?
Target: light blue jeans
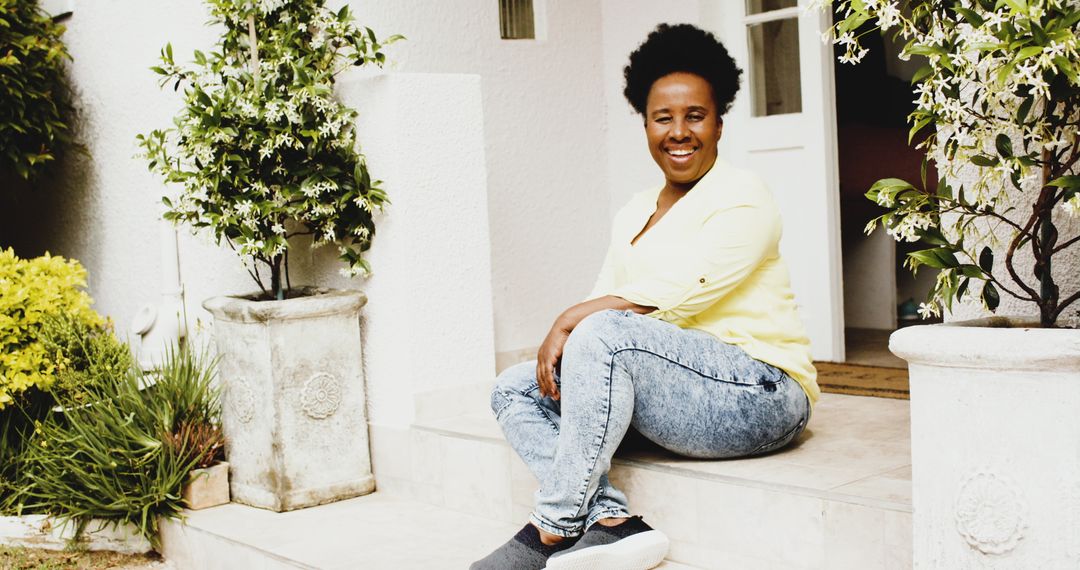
column 682, row 388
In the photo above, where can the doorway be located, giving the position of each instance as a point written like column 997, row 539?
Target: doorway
column 873, row 99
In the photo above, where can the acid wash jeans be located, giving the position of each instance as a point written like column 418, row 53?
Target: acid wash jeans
column 681, row 388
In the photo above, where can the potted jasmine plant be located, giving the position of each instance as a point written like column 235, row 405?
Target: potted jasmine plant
column 263, row 153
column 996, row 467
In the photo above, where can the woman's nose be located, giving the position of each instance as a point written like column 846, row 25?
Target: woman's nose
column 679, row 130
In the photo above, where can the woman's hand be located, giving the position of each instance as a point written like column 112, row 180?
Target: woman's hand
column 547, row 358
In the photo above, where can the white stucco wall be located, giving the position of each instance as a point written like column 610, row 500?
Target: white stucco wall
column 544, row 132
column 544, row 139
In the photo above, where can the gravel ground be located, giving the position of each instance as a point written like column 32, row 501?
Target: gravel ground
column 36, row 559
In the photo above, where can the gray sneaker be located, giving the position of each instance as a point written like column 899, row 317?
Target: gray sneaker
column 524, row 551
column 632, row 545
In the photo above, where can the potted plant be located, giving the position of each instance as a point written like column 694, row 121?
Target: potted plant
column 993, row 407
column 263, row 154
column 202, row 443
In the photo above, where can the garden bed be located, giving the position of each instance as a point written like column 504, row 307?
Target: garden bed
column 43, row 531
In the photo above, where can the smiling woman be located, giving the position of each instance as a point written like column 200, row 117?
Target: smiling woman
column 690, row 335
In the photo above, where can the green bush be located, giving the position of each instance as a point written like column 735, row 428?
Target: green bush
column 123, row 457
column 32, row 292
column 35, row 107
column 83, row 353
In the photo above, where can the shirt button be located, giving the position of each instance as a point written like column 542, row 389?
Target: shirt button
column 702, row 280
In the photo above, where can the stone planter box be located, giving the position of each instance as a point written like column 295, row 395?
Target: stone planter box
column 995, row 444
column 207, row 487
column 293, row 410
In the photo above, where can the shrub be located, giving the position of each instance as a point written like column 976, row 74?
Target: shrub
column 31, row 292
column 262, row 150
column 35, row 109
column 82, row 353
column 124, row 456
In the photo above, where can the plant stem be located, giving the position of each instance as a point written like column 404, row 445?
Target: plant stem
column 1048, row 290
column 253, row 41
column 275, row 277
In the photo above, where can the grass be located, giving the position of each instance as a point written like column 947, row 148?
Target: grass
column 36, row 559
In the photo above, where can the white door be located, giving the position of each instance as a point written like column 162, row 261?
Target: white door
column 782, row 126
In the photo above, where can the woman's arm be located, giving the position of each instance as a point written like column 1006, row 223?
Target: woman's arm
column 551, row 350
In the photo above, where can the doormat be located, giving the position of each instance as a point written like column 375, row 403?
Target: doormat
column 855, row 380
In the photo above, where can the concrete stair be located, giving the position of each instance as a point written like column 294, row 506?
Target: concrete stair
column 374, row 532
column 451, row 490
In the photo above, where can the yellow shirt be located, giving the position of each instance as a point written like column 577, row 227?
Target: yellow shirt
column 713, row 263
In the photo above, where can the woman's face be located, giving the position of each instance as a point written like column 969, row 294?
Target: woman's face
column 682, row 126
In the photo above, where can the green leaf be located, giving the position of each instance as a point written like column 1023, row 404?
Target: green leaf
column 986, row 259
column 972, row 271
column 1018, row 5
column 990, row 296
column 1066, row 66
column 918, row 126
column 983, row 160
column 1004, row 145
column 922, row 73
column 938, row 257
column 1067, row 181
column 1024, row 109
column 970, row 16
column 1029, row 51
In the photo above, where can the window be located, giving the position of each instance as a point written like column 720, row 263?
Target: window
column 516, row 20
column 773, row 33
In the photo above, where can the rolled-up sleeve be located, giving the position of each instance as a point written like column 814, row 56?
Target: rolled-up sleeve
column 732, row 242
column 605, row 281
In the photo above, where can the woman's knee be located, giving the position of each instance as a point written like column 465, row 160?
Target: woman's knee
column 600, row 329
column 518, row 379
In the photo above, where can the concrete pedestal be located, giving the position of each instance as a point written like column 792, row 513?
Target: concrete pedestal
column 995, row 444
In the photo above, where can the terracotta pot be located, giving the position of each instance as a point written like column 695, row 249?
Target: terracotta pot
column 207, row 487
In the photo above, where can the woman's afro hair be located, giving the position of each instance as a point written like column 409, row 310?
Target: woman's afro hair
column 681, row 47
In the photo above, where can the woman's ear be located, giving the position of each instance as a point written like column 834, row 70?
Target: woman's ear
column 719, row 128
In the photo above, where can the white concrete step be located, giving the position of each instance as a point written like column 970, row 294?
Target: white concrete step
column 375, row 532
column 840, row 499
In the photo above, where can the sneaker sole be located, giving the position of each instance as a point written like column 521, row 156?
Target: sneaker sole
column 640, row 551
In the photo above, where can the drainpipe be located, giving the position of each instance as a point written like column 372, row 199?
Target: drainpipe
column 162, row 326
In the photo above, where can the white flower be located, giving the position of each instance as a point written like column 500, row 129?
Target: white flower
column 929, row 310
column 1072, row 207
column 888, row 16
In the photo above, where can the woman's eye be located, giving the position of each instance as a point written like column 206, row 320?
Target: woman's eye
column 695, row 117
column 663, row 120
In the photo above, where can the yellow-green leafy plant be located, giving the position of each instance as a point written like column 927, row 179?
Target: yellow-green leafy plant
column 32, row 291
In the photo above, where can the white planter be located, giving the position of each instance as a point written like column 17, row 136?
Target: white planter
column 995, row 444
column 293, row 412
